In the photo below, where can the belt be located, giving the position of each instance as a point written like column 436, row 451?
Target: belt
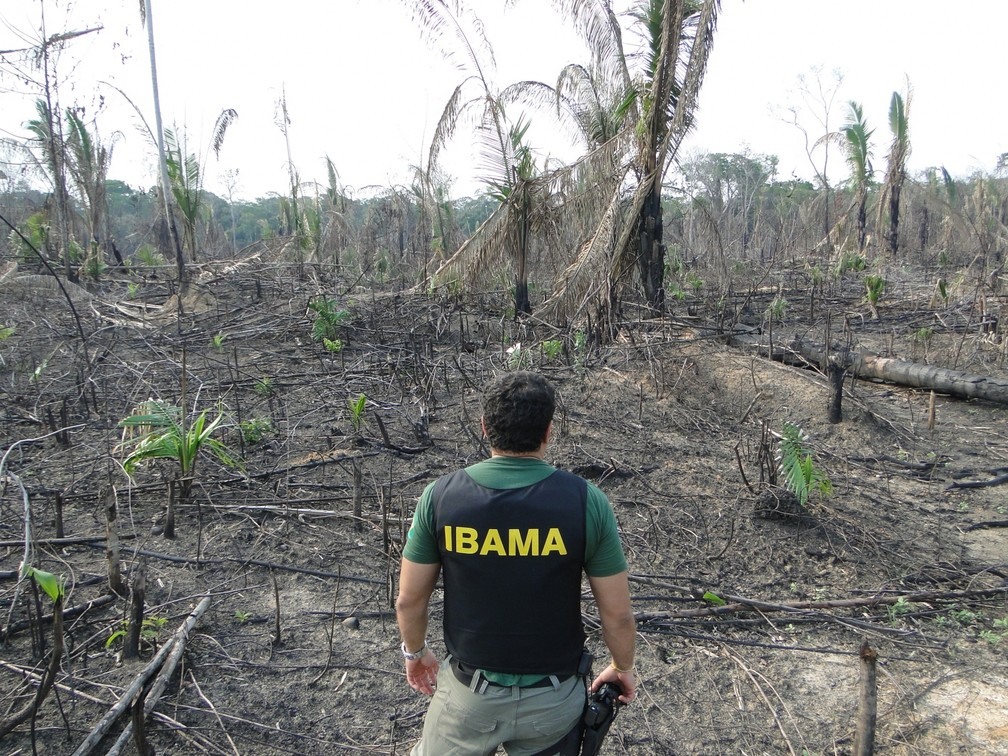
column 477, row 682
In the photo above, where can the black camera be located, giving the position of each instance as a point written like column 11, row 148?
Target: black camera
column 598, row 716
column 602, row 706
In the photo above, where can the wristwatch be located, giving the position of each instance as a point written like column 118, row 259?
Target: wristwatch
column 418, row 654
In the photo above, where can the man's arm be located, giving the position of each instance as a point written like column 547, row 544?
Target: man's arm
column 619, row 631
column 416, row 584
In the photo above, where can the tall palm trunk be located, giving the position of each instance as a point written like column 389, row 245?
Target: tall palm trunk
column 146, row 13
column 899, row 151
column 57, row 156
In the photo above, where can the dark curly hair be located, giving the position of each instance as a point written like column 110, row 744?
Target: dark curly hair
column 517, row 409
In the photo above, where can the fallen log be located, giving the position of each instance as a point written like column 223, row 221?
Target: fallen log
column 887, row 369
column 152, row 696
column 174, row 648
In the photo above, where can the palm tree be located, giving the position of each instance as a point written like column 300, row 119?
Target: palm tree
column 899, row 151
column 857, row 151
column 88, row 166
column 47, row 133
column 627, row 231
column 587, row 208
column 505, row 157
column 185, row 175
column 147, row 17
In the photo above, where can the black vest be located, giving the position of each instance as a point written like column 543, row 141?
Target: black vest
column 512, row 562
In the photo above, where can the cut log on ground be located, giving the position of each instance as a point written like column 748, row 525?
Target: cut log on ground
column 888, row 369
column 173, row 648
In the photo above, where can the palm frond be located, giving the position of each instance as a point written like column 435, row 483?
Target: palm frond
column 225, row 119
column 696, row 67
column 797, row 470
column 448, row 120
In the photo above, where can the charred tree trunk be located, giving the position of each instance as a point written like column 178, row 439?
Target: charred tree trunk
column 112, row 544
column 522, row 304
column 836, row 373
column 892, row 237
column 651, row 253
column 864, row 737
column 131, row 645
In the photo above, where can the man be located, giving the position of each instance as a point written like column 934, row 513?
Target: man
column 512, row 535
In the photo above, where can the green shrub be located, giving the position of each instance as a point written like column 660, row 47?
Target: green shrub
column 328, row 319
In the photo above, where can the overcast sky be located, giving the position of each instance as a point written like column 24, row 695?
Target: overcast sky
column 363, row 88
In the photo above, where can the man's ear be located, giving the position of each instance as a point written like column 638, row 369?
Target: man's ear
column 548, row 433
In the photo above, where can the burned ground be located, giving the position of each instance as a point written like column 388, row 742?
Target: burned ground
column 751, row 615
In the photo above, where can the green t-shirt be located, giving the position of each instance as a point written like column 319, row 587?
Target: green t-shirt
column 603, row 550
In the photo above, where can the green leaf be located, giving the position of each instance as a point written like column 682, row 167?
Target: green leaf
column 713, row 598
column 48, row 583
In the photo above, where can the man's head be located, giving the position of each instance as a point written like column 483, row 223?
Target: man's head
column 517, row 410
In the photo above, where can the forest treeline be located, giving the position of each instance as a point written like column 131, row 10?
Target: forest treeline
column 631, row 218
column 721, row 212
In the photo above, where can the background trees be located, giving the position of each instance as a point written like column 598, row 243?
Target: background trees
column 624, row 220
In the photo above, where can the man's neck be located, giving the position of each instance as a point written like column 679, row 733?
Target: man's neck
column 539, row 453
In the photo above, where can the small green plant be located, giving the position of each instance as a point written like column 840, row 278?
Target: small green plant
column 333, row 345
column 328, row 319
column 673, row 261
column 49, row 583
column 255, row 430
column 242, row 616
column 6, row 332
column 150, row 630
column 36, row 231
column 800, row 474
column 164, row 434
column 516, row 356
column 218, row 341
column 356, row 407
column 941, row 291
column 695, row 282
column 777, row 307
column 675, row 291
column 923, row 335
column 94, row 264
column 150, row 257
column 132, row 290
column 552, row 348
column 899, row 609
column 991, row 637
column 850, row 261
column 580, row 343
column 264, row 387
column 964, row 616
column 37, row 372
column 874, row 289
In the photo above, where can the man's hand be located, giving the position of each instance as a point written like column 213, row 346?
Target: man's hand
column 625, row 681
column 422, row 673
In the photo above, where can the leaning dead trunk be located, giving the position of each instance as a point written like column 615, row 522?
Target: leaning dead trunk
column 901, row 372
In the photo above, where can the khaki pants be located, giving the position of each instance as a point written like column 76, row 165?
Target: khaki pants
column 525, row 721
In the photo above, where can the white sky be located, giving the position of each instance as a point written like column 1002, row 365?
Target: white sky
column 363, row 88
